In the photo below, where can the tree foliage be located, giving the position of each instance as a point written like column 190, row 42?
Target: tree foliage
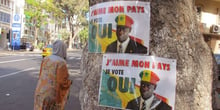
column 73, row 8
column 71, row 12
column 40, row 10
column 37, row 13
column 75, row 12
column 83, row 35
column 34, row 13
column 65, row 34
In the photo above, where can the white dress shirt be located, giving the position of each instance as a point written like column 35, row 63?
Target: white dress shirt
column 123, row 44
column 147, row 103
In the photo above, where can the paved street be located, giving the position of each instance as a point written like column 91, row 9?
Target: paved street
column 19, row 74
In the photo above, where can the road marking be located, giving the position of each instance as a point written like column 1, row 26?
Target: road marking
column 17, row 60
column 77, row 58
column 12, row 55
column 10, row 74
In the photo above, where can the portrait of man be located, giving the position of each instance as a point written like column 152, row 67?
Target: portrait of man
column 148, row 100
column 124, row 42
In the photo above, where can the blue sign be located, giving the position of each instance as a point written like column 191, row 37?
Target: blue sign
column 16, row 17
column 15, row 41
column 16, row 32
column 16, row 25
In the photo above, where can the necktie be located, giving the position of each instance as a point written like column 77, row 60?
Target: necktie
column 143, row 106
column 120, row 48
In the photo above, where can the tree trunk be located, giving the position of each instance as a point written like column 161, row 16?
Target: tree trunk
column 174, row 34
column 35, row 37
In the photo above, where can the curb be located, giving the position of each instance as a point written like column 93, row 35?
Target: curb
column 12, row 52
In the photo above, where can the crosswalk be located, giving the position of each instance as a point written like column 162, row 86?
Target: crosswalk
column 17, row 54
column 34, row 54
column 71, row 58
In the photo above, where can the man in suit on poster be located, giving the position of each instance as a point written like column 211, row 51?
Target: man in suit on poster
column 148, row 100
column 124, row 43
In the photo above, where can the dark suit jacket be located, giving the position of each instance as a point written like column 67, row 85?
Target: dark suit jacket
column 135, row 104
column 133, row 47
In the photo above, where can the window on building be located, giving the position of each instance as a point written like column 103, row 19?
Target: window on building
column 1, row 14
column 4, row 17
column 8, row 3
column 8, row 20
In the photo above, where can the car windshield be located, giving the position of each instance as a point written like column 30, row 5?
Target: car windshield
column 49, row 46
column 28, row 44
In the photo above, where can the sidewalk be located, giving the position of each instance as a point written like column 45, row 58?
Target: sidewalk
column 12, row 52
column 23, row 51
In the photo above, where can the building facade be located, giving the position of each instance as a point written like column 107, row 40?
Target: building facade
column 6, row 9
column 208, row 14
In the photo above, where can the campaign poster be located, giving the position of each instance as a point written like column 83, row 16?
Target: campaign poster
column 119, row 27
column 16, row 32
column 123, row 79
column 15, row 41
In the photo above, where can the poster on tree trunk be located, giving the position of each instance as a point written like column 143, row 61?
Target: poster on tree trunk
column 119, row 27
column 135, row 82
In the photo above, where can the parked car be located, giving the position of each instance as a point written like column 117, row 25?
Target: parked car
column 23, row 46
column 29, row 46
column 217, row 58
column 47, row 51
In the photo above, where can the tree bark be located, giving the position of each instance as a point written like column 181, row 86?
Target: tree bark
column 174, row 34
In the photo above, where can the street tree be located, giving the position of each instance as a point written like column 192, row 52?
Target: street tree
column 75, row 12
column 64, row 34
column 174, row 33
column 83, row 35
column 37, row 14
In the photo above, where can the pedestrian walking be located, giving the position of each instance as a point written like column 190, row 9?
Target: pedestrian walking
column 8, row 44
column 53, row 84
